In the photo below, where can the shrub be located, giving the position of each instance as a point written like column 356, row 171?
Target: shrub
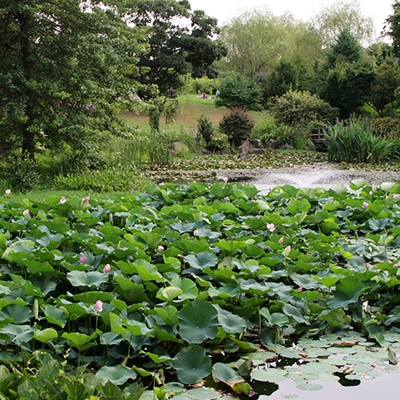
column 301, row 108
column 21, row 174
column 356, row 142
column 218, row 141
column 237, row 125
column 295, row 136
column 205, row 129
column 386, row 126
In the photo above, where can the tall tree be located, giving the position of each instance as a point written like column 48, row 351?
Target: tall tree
column 258, row 41
column 180, row 42
column 382, row 94
column 394, row 28
column 63, row 70
column 343, row 15
column 349, row 75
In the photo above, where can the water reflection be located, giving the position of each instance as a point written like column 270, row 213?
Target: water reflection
column 385, row 386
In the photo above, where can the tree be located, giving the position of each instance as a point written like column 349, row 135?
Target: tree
column 346, row 49
column 349, row 75
column 257, row 41
column 180, row 42
column 382, row 94
column 62, row 72
column 237, row 90
column 394, row 28
column 339, row 16
column 254, row 42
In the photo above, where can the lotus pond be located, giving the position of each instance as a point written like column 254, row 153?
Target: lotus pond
column 199, row 291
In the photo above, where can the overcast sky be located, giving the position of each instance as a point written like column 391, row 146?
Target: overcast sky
column 304, row 10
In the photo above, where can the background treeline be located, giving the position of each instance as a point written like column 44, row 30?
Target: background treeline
column 71, row 69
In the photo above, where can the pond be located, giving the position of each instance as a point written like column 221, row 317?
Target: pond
column 386, row 386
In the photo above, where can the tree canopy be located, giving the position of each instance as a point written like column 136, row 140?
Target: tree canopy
column 63, row 70
column 180, row 42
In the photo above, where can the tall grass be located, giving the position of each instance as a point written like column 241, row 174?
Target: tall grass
column 355, row 141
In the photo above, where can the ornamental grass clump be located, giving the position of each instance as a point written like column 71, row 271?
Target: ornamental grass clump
column 356, row 142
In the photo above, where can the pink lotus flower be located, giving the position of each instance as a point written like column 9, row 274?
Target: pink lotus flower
column 62, row 200
column 98, row 306
column 196, row 232
column 225, row 179
column 281, row 240
column 365, row 204
column 271, row 227
column 107, row 268
column 288, row 248
column 87, row 199
column 25, row 213
column 160, row 248
column 7, row 192
column 82, row 259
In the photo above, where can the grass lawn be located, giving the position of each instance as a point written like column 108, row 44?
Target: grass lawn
column 191, row 109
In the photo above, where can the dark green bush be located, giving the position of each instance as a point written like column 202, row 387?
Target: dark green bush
column 21, row 174
column 205, row 129
column 237, row 125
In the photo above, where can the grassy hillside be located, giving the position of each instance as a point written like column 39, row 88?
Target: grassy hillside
column 191, row 109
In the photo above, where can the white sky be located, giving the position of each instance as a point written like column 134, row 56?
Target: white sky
column 224, row 10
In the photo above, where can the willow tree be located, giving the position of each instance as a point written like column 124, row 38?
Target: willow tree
column 258, row 42
column 63, row 71
column 340, row 16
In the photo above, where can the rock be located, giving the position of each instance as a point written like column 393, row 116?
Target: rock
column 256, row 143
column 244, row 148
column 271, row 144
column 179, row 148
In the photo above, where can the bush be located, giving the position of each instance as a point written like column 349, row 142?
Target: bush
column 301, row 108
column 205, row 129
column 386, row 126
column 218, row 141
column 295, row 136
column 356, row 142
column 237, row 125
column 21, row 174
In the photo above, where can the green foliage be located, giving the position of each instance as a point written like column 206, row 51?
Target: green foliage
column 128, row 297
column 356, row 142
column 112, row 179
column 202, row 85
column 383, row 90
column 295, row 136
column 237, row 125
column 205, row 129
column 174, row 50
column 69, row 85
column 347, row 76
column 219, row 141
column 236, row 90
column 389, row 127
column 301, row 108
column 394, row 28
column 21, row 174
column 346, row 49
